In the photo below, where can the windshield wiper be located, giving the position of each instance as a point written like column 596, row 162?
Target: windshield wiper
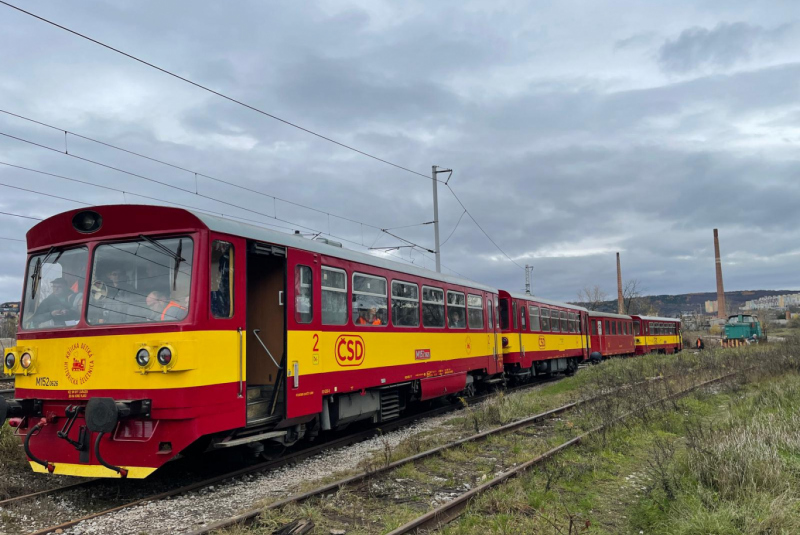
column 36, row 277
column 164, row 249
column 178, row 259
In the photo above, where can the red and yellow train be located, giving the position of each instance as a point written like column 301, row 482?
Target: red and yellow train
column 149, row 331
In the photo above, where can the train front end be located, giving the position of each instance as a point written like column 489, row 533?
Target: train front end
column 116, row 371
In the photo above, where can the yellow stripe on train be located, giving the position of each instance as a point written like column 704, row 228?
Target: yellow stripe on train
column 657, row 340
column 93, row 470
column 326, row 352
column 534, row 342
column 199, row 358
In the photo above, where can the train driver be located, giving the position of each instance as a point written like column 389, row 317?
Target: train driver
column 56, row 307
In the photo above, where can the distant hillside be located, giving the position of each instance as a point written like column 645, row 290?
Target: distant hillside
column 673, row 305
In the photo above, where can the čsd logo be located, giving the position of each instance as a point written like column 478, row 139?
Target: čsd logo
column 350, row 350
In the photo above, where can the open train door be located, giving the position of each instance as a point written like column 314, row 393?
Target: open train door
column 266, row 333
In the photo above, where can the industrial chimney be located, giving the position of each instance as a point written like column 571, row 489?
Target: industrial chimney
column 721, row 309
column 620, row 301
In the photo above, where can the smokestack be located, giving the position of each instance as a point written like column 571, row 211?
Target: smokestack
column 620, row 301
column 721, row 309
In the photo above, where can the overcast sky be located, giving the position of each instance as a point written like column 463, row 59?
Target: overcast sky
column 575, row 129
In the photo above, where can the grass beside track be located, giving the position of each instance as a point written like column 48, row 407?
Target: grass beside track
column 601, row 487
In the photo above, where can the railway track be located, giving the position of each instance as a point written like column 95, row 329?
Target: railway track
column 441, row 515
column 287, row 459
column 7, row 392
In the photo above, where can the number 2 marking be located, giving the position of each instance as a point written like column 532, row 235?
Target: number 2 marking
column 316, row 342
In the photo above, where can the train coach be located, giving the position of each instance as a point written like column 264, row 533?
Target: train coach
column 148, row 331
column 611, row 335
column 657, row 335
column 541, row 337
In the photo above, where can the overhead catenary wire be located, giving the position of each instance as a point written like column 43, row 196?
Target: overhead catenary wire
column 194, row 172
column 454, row 229
column 173, row 186
column 214, row 92
column 479, row 226
column 222, row 214
column 252, row 108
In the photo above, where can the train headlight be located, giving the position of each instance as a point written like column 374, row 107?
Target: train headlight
column 143, row 357
column 10, row 360
column 164, row 356
column 25, row 360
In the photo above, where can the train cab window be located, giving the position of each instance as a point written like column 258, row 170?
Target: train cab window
column 405, row 304
column 334, row 296
column 221, row 278
column 139, row 281
column 56, row 282
column 636, row 328
column 572, row 325
column 456, row 310
column 545, row 320
column 534, row 312
column 303, row 309
column 432, row 307
column 504, row 314
column 369, row 300
column 564, row 327
column 475, row 311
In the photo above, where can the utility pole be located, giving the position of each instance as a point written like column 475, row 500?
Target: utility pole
column 435, row 171
column 528, row 271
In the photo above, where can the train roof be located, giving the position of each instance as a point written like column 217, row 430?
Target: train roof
column 657, row 318
column 597, row 314
column 245, row 230
column 544, row 301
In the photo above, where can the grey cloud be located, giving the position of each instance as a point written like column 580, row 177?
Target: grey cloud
column 723, row 46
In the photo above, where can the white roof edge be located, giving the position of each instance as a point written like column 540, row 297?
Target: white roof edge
column 658, row 318
column 546, row 301
column 245, row 230
column 597, row 313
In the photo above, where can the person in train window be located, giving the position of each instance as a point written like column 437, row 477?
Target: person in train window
column 56, row 307
column 164, row 309
column 456, row 321
column 362, row 317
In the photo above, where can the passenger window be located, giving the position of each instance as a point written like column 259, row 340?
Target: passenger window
column 405, row 304
column 475, row 311
column 534, row 312
column 522, row 319
column 600, row 327
column 303, row 311
column 572, row 322
column 545, row 320
column 594, row 329
column 636, row 328
column 613, row 327
column 432, row 307
column 334, row 296
column 608, row 328
column 564, row 327
column 456, row 310
column 369, row 300
column 554, row 325
column 221, row 276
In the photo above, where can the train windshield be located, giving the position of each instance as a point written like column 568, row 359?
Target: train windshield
column 55, row 289
column 140, row 281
